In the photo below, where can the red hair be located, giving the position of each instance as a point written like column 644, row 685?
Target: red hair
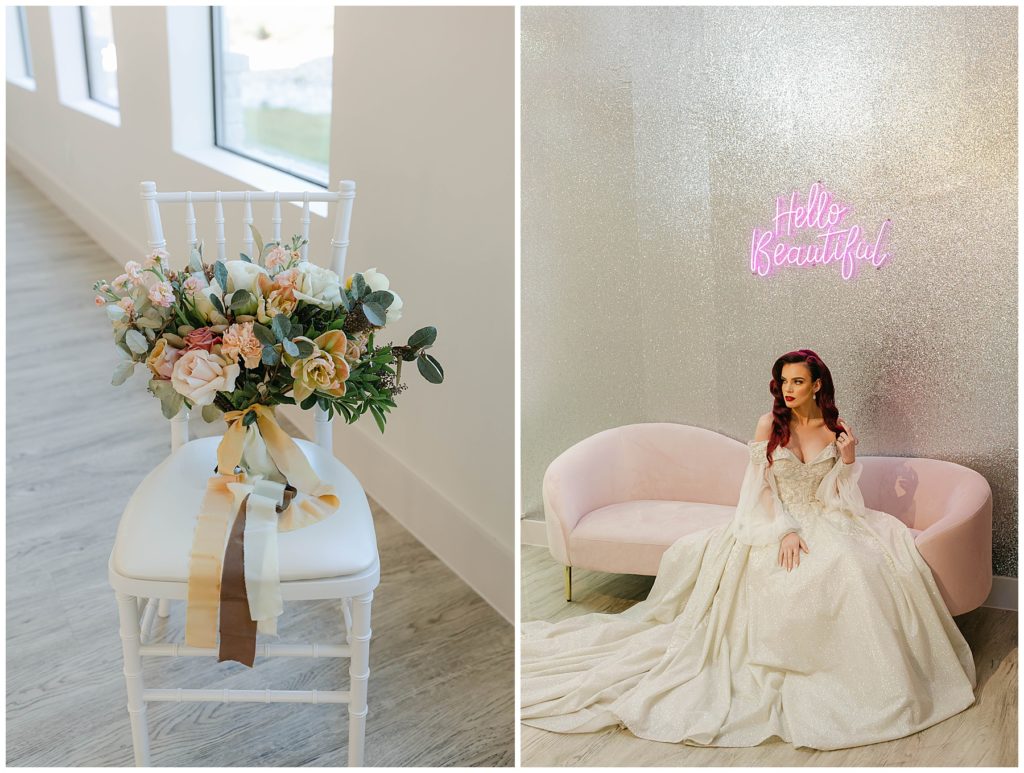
column 825, row 397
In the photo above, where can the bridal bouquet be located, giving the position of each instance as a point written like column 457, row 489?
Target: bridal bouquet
column 270, row 331
column 236, row 339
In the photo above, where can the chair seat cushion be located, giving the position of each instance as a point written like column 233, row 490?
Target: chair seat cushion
column 630, row 537
column 155, row 534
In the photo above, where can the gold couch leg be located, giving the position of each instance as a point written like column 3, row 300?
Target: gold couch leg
column 568, row 583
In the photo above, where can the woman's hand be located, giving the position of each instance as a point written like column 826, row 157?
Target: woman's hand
column 845, row 443
column 789, row 550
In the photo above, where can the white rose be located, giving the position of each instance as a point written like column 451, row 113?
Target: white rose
column 319, row 286
column 200, row 375
column 244, row 276
column 375, row 280
column 395, row 309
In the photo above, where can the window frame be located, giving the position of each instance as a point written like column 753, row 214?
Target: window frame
column 26, row 50
column 216, row 58
column 83, row 25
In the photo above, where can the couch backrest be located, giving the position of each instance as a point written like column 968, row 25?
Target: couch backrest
column 920, row 491
column 662, row 461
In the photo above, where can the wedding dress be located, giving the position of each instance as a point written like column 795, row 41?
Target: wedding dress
column 854, row 646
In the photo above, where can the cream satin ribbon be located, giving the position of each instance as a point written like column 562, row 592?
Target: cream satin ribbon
column 223, row 493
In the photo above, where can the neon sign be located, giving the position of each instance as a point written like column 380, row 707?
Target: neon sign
column 822, row 216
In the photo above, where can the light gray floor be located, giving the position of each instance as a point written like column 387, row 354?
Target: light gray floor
column 441, row 684
column 983, row 735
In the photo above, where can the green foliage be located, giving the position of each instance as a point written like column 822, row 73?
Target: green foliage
column 430, row 368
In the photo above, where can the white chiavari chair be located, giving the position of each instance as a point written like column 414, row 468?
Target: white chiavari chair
column 333, row 559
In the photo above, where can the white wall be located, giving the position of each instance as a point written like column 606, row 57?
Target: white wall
column 423, row 122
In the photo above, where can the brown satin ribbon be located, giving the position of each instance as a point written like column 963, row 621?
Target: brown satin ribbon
column 207, row 568
column 237, row 628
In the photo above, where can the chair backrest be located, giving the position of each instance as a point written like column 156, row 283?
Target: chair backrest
column 343, row 197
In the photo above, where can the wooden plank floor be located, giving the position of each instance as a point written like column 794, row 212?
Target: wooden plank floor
column 441, row 684
column 983, row 735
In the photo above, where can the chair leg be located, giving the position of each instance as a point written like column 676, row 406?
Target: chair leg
column 568, row 583
column 359, row 674
column 128, row 611
column 164, row 610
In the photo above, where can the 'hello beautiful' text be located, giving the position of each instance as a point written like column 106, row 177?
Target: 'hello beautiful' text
column 821, row 214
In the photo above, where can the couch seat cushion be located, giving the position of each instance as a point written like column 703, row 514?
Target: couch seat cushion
column 630, row 537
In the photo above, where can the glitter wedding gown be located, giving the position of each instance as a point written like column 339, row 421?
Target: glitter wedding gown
column 852, row 647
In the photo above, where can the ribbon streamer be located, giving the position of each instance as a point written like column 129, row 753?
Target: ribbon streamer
column 259, row 562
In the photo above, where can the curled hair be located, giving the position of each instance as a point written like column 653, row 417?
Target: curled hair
column 781, row 413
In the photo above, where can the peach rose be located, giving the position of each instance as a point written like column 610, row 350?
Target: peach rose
column 202, row 338
column 239, row 341
column 199, row 375
column 161, row 360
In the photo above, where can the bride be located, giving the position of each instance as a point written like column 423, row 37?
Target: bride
column 808, row 617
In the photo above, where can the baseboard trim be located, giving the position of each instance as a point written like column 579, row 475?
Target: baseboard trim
column 464, row 546
column 533, row 532
column 1003, row 595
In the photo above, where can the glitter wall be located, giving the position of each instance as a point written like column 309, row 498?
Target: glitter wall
column 655, row 139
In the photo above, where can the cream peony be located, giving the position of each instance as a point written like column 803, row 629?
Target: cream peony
column 243, row 276
column 198, row 375
column 375, row 280
column 317, row 285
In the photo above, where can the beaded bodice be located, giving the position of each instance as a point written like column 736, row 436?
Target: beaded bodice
column 798, row 481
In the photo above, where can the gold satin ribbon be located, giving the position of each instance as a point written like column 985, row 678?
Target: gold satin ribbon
column 218, row 508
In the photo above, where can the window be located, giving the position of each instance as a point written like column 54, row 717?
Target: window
column 100, row 54
column 272, row 85
column 19, row 54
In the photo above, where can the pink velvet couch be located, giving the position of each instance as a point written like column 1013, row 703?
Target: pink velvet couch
column 615, row 501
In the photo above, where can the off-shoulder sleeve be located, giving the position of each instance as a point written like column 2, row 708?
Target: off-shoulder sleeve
column 838, row 490
column 761, row 518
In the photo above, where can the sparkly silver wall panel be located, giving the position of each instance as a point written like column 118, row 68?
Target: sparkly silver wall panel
column 655, row 139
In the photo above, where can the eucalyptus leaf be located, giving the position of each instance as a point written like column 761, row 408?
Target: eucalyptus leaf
column 281, row 326
column 220, row 273
column 171, row 404
column 359, row 286
column 374, row 313
column 264, row 334
column 211, row 413
column 290, row 347
column 151, row 324
column 430, row 368
column 305, row 348
column 195, row 261
column 381, row 297
column 114, row 312
column 270, row 356
column 122, row 371
column 243, row 256
column 346, row 301
column 217, row 304
column 425, row 336
column 136, row 342
column 240, row 299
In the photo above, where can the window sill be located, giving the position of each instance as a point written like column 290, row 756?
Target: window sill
column 28, row 84
column 252, row 174
column 96, row 110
